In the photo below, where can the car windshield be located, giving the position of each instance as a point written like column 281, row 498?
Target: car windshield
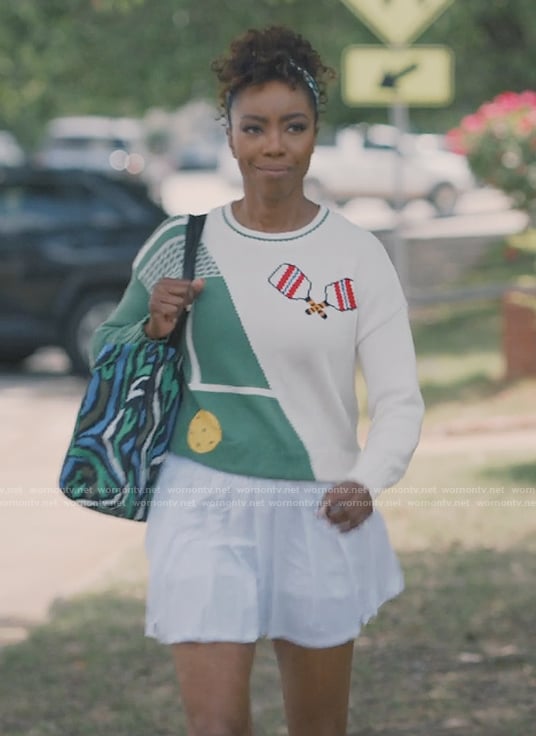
column 47, row 206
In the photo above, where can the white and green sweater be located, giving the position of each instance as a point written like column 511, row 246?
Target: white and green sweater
column 271, row 348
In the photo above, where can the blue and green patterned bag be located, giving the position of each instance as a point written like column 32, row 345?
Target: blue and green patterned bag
column 127, row 417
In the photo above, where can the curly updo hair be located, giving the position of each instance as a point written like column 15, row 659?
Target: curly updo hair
column 273, row 53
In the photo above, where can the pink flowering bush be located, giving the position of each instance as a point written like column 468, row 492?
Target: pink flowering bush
column 499, row 140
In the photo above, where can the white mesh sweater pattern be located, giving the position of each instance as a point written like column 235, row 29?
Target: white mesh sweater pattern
column 205, row 266
column 168, row 261
column 165, row 263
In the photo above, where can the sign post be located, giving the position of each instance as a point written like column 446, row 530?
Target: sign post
column 398, row 76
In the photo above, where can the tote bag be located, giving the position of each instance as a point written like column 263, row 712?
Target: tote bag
column 127, row 417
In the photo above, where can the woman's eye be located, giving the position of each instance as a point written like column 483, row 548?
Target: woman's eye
column 297, row 127
column 252, row 129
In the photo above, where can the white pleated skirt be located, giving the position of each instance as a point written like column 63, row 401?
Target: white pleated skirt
column 235, row 558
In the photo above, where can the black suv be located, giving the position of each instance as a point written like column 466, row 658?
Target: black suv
column 67, row 241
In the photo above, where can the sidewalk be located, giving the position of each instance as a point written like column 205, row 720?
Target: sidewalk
column 497, row 432
column 49, row 547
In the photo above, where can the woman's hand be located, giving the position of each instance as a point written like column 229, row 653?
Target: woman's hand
column 168, row 300
column 346, row 506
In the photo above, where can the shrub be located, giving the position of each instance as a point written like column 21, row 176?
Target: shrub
column 499, row 140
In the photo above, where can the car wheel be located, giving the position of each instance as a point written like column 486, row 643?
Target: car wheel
column 444, row 198
column 92, row 311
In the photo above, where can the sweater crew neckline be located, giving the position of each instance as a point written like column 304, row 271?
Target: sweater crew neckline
column 233, row 224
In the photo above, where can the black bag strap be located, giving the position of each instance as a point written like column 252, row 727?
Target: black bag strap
column 194, row 229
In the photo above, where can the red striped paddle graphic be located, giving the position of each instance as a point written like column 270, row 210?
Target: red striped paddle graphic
column 341, row 295
column 290, row 281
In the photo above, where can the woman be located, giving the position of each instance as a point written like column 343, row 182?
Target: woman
column 263, row 523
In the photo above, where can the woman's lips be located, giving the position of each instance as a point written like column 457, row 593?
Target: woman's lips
column 273, row 170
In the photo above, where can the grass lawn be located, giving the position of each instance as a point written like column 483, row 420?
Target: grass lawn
column 459, row 348
column 460, row 360
column 461, row 366
column 454, row 654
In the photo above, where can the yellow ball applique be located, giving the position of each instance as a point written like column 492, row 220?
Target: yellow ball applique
column 204, row 432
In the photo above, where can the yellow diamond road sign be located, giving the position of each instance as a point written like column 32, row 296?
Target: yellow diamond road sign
column 374, row 76
column 397, row 21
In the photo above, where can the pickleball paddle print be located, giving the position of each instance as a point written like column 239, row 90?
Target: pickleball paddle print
column 290, row 281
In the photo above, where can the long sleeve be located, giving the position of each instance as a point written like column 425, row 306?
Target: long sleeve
column 125, row 324
column 396, row 407
column 161, row 255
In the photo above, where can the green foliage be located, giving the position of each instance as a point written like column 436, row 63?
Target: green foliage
column 495, row 47
column 125, row 56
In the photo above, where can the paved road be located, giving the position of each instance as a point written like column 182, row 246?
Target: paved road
column 49, row 547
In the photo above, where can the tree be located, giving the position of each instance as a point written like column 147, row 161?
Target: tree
column 125, row 56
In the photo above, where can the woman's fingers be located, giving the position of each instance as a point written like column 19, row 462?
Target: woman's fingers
column 168, row 299
column 346, row 506
column 175, row 293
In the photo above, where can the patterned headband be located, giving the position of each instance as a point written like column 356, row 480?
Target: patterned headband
column 309, row 80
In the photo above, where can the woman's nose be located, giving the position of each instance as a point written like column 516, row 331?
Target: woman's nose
column 273, row 142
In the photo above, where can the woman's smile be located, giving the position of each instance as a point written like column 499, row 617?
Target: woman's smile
column 271, row 170
column 272, row 136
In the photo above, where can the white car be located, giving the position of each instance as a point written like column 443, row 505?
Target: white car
column 94, row 143
column 364, row 162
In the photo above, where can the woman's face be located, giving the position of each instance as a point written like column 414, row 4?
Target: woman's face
column 272, row 135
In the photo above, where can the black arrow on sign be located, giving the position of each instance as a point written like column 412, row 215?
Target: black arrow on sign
column 391, row 79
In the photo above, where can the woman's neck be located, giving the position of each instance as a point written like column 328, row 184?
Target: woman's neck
column 274, row 216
